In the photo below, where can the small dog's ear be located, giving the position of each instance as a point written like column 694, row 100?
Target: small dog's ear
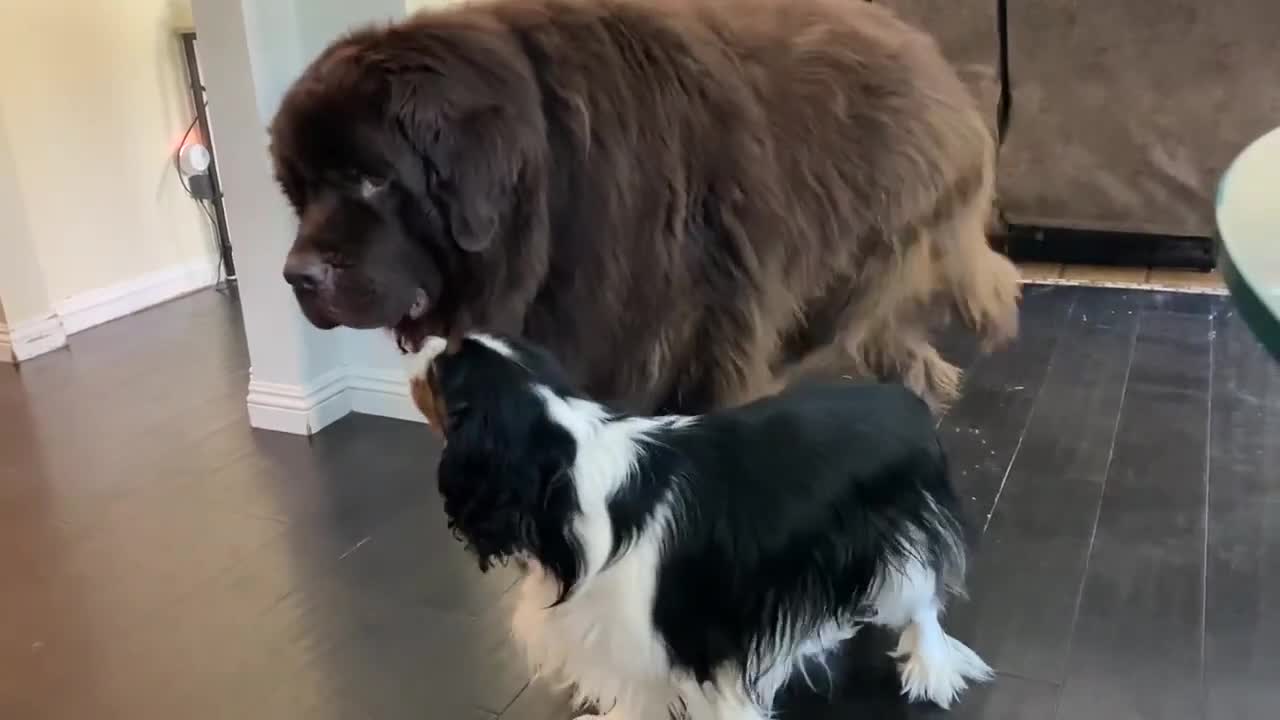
column 555, row 475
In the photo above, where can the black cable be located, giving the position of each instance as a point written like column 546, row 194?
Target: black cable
column 219, row 279
column 213, row 222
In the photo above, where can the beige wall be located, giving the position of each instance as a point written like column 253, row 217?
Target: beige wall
column 415, row 5
column 21, row 278
column 93, row 102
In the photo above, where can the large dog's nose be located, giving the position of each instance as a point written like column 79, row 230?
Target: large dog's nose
column 305, row 271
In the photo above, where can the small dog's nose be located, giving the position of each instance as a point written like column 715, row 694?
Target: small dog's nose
column 305, row 271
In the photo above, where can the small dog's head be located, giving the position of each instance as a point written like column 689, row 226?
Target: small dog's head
column 506, row 471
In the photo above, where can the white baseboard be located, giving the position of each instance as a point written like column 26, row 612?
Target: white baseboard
column 296, row 409
column 382, row 392
column 305, row 411
column 30, row 338
column 87, row 309
column 82, row 311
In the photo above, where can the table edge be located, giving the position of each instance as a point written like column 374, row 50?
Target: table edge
column 1257, row 313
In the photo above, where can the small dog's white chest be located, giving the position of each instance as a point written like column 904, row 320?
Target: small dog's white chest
column 602, row 638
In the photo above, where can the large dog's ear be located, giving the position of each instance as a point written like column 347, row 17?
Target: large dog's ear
column 475, row 151
column 482, row 167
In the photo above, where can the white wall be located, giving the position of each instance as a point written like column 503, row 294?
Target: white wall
column 94, row 103
column 375, row 369
column 415, row 5
column 301, row 378
column 22, row 285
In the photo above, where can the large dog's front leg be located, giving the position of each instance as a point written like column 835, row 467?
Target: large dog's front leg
column 897, row 351
column 734, row 372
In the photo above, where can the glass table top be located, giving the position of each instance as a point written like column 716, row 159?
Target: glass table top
column 1248, row 218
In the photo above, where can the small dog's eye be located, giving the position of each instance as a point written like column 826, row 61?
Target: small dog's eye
column 370, row 187
column 457, row 413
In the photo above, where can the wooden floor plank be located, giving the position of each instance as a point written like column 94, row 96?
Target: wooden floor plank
column 1136, row 650
column 982, row 430
column 866, row 686
column 165, row 560
column 1029, row 565
column 1242, row 613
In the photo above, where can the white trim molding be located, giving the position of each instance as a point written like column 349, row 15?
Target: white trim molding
column 292, row 409
column 305, row 411
column 30, row 338
column 384, row 393
column 87, row 309
column 297, row 409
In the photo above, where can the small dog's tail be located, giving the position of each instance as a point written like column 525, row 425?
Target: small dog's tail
column 945, row 545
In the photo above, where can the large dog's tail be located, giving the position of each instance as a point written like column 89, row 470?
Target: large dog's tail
column 983, row 285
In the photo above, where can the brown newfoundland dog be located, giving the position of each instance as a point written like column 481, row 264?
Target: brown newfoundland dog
column 687, row 201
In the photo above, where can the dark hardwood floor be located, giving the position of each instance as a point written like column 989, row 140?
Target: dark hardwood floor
column 1121, row 464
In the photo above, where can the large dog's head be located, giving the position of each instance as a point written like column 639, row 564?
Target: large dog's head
column 505, row 474
column 415, row 158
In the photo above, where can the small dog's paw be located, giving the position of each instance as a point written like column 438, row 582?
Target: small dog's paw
column 923, row 684
column 940, row 677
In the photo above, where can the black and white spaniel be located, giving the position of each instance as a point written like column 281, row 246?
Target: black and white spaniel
column 693, row 564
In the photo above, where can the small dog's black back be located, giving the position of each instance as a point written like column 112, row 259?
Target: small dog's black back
column 743, row 541
column 802, row 498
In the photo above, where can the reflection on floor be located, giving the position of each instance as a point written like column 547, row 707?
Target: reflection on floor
column 164, row 561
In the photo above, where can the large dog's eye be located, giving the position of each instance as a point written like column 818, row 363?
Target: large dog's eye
column 339, row 261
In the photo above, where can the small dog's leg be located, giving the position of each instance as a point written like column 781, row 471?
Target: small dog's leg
column 613, row 714
column 723, row 699
column 932, row 665
column 641, row 701
column 734, row 708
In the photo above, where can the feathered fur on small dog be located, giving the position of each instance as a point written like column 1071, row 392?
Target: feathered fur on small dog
column 693, row 564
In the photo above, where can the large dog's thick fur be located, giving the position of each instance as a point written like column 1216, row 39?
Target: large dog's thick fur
column 699, row 562
column 688, row 201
